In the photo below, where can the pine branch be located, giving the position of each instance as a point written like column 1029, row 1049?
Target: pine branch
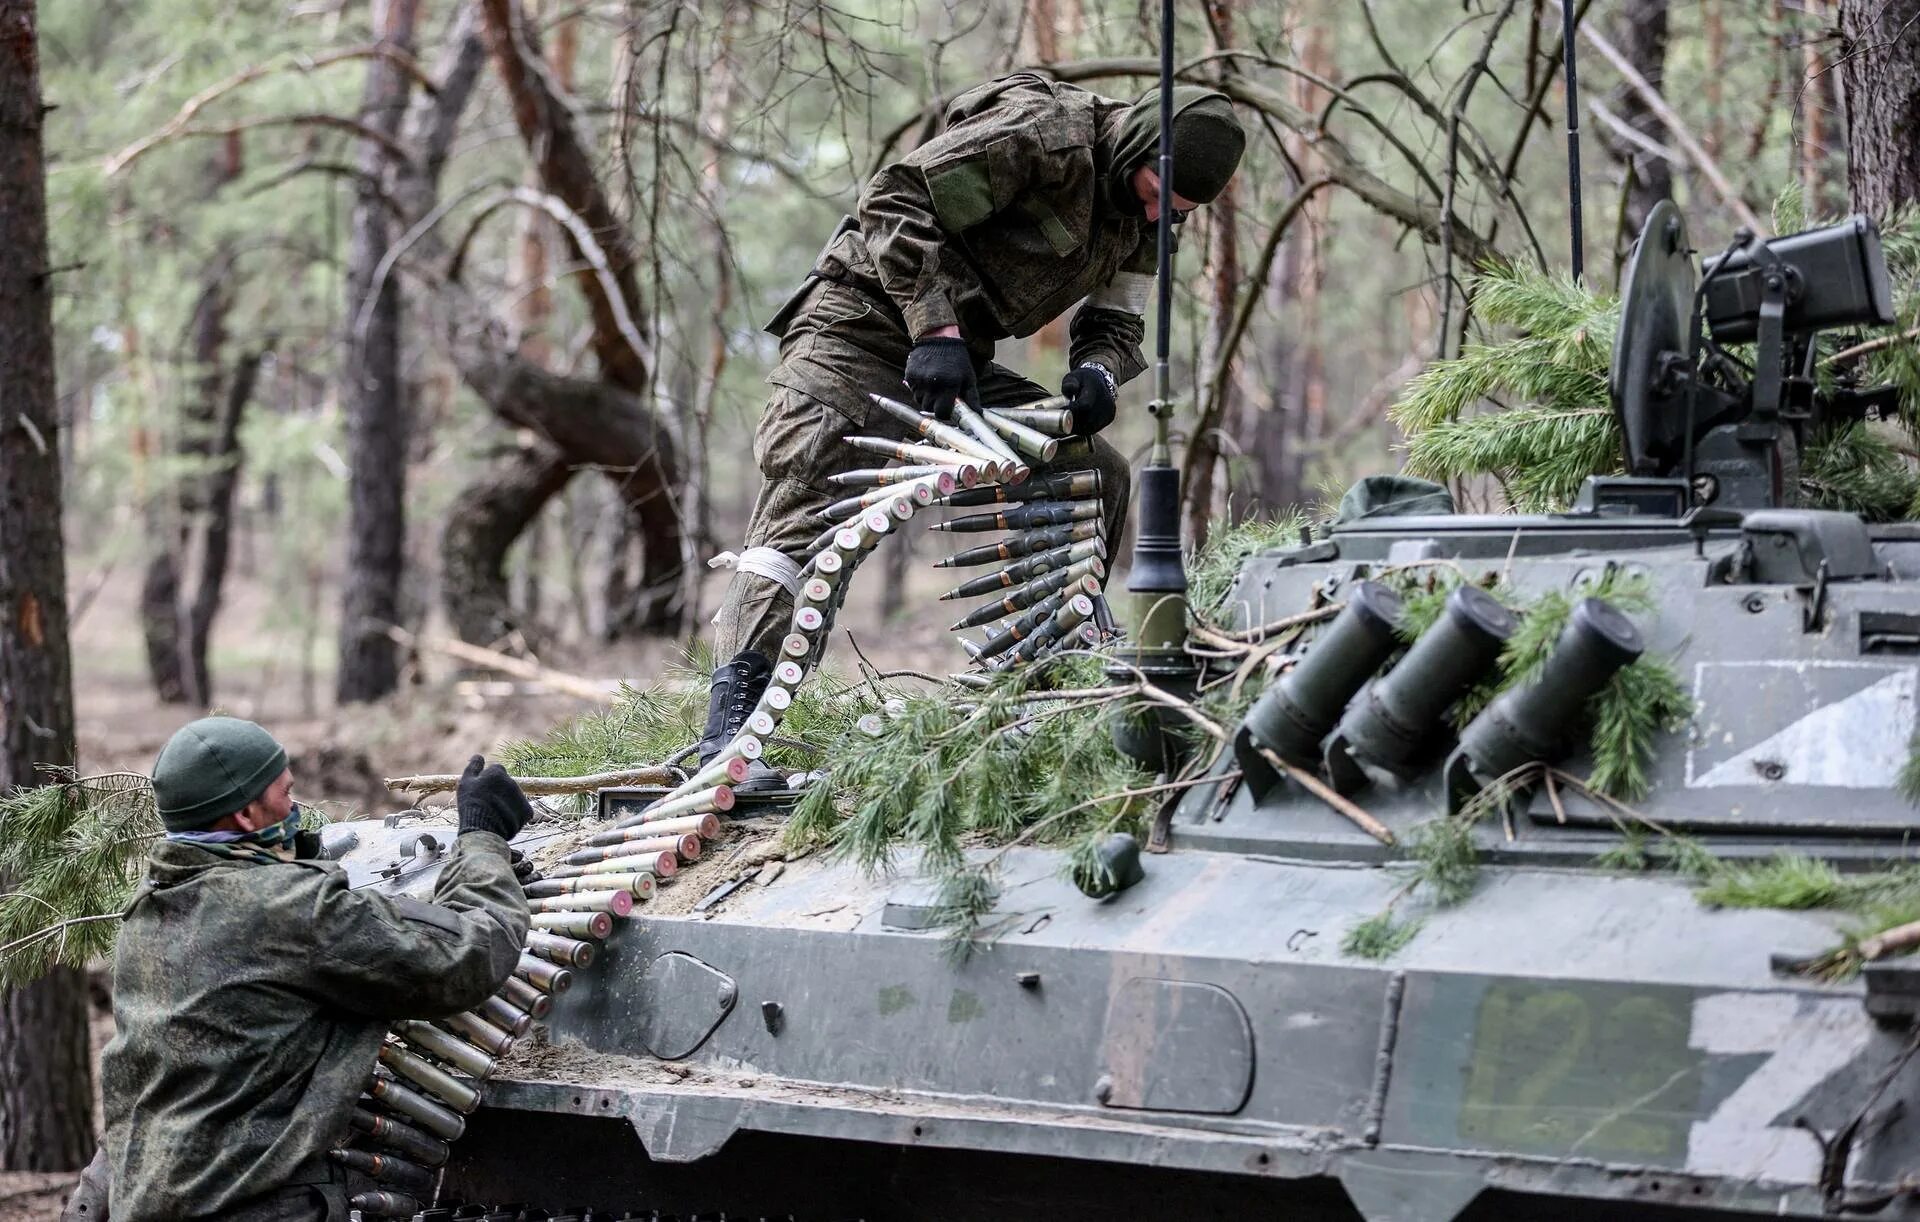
column 72, row 851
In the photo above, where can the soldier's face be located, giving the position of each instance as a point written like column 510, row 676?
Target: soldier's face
column 1146, row 188
column 272, row 806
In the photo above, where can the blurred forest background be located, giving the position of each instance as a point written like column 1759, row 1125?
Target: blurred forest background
column 382, row 326
column 445, row 315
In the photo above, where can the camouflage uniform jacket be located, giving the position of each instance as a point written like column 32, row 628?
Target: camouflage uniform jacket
column 999, row 225
column 250, row 1001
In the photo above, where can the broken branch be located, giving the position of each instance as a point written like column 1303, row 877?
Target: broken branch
column 1326, row 793
column 543, row 786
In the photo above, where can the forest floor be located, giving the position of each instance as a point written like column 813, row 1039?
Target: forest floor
column 436, row 720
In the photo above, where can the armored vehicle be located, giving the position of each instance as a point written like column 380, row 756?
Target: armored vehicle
column 1570, row 1040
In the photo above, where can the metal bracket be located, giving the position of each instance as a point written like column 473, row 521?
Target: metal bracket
column 1815, row 612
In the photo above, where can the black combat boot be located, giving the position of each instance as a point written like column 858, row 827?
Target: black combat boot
column 737, row 688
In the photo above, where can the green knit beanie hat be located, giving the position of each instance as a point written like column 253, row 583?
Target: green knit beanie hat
column 211, row 768
column 1207, row 143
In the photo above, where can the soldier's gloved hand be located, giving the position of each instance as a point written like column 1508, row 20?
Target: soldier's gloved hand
column 522, row 868
column 490, row 801
column 1090, row 393
column 940, row 371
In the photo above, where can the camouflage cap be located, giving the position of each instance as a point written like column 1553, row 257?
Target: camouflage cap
column 211, row 768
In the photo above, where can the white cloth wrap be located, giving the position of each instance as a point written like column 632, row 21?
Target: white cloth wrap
column 768, row 562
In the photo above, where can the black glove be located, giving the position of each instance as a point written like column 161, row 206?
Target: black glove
column 940, row 371
column 1089, row 391
column 490, row 801
column 522, row 868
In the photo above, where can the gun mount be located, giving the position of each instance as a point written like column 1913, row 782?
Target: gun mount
column 1699, row 425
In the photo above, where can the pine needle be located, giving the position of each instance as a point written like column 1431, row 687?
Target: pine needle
column 1851, row 467
column 1551, row 369
column 1212, row 569
column 1627, row 856
column 72, row 853
column 956, row 768
column 1447, row 863
column 1380, row 936
column 1790, row 880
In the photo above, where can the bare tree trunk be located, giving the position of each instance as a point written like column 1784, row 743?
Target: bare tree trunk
column 1296, row 279
column 1223, row 285
column 1641, row 34
column 376, row 397
column 1714, row 30
column 1204, row 449
column 160, row 610
column 46, row 1089
column 215, row 525
column 1880, row 76
column 1815, row 107
column 648, row 479
column 179, row 674
column 482, row 525
column 716, row 120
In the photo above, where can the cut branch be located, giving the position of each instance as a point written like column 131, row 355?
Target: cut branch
column 519, row 668
column 1326, row 793
column 542, row 786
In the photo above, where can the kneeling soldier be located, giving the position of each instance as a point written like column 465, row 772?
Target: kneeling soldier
column 252, row 988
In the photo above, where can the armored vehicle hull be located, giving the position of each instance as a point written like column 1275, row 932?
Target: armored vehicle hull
column 1567, row 1041
column 1409, row 949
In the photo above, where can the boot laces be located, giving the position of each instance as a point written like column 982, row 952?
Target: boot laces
column 737, row 709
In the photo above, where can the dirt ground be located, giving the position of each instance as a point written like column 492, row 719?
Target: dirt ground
column 431, row 725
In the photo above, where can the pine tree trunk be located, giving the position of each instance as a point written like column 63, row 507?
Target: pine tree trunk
column 650, row 486
column 46, row 1090
column 482, row 524
column 215, row 521
column 178, row 677
column 46, row 1075
column 1296, row 281
column 1880, row 77
column 1641, row 34
column 696, row 502
column 376, row 400
column 160, row 614
column 1714, row 30
column 1215, row 406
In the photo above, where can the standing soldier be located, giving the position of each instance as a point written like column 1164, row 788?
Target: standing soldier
column 252, row 988
column 1037, row 195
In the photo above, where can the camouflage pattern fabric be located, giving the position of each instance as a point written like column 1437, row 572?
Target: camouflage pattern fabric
column 250, row 1001
column 799, row 444
column 999, row 225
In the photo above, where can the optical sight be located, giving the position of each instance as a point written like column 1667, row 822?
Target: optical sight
column 1834, row 277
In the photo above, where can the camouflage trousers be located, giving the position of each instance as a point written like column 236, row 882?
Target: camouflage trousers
column 819, row 397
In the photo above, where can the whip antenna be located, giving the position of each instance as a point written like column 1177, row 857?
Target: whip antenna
column 1163, row 333
column 1158, row 581
column 1567, row 20
column 1157, row 586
